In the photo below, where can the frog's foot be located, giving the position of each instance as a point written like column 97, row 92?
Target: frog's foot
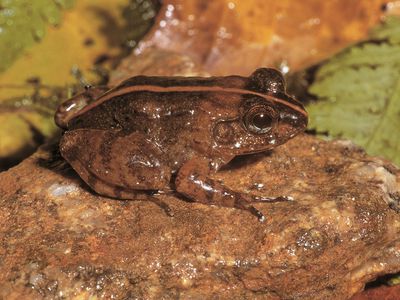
column 241, row 203
column 161, row 204
column 192, row 181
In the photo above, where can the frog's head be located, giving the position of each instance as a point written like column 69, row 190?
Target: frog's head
column 267, row 117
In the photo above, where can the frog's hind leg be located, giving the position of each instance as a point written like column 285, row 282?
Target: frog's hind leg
column 192, row 181
column 68, row 108
column 115, row 164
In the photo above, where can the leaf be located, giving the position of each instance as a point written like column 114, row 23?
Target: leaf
column 25, row 135
column 236, row 37
column 27, row 121
column 92, row 31
column 23, row 22
column 358, row 93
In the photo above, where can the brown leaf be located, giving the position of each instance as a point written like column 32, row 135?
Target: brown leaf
column 238, row 36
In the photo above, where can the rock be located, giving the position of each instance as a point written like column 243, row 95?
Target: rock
column 60, row 240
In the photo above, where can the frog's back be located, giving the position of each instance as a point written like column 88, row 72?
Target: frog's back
column 142, row 98
column 142, row 110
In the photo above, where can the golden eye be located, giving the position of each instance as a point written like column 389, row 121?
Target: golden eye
column 260, row 119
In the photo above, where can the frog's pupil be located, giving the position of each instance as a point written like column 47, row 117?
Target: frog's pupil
column 262, row 121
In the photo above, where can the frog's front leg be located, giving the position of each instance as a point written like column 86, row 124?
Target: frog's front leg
column 193, row 182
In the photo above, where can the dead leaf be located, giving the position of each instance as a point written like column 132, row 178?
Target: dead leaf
column 235, row 37
column 156, row 62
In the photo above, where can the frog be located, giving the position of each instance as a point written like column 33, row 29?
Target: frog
column 160, row 134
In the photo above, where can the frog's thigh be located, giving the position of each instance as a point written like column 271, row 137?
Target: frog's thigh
column 115, row 164
column 68, row 108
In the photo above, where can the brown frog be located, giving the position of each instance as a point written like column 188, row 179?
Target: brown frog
column 153, row 134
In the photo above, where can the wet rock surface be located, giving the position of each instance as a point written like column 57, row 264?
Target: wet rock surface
column 60, row 240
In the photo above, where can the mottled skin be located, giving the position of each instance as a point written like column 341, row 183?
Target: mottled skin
column 170, row 133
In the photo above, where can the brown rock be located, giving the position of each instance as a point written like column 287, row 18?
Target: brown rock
column 59, row 240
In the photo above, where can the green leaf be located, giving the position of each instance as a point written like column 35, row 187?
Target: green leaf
column 23, row 22
column 358, row 93
column 394, row 280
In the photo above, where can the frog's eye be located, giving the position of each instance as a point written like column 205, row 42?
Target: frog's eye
column 260, row 119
